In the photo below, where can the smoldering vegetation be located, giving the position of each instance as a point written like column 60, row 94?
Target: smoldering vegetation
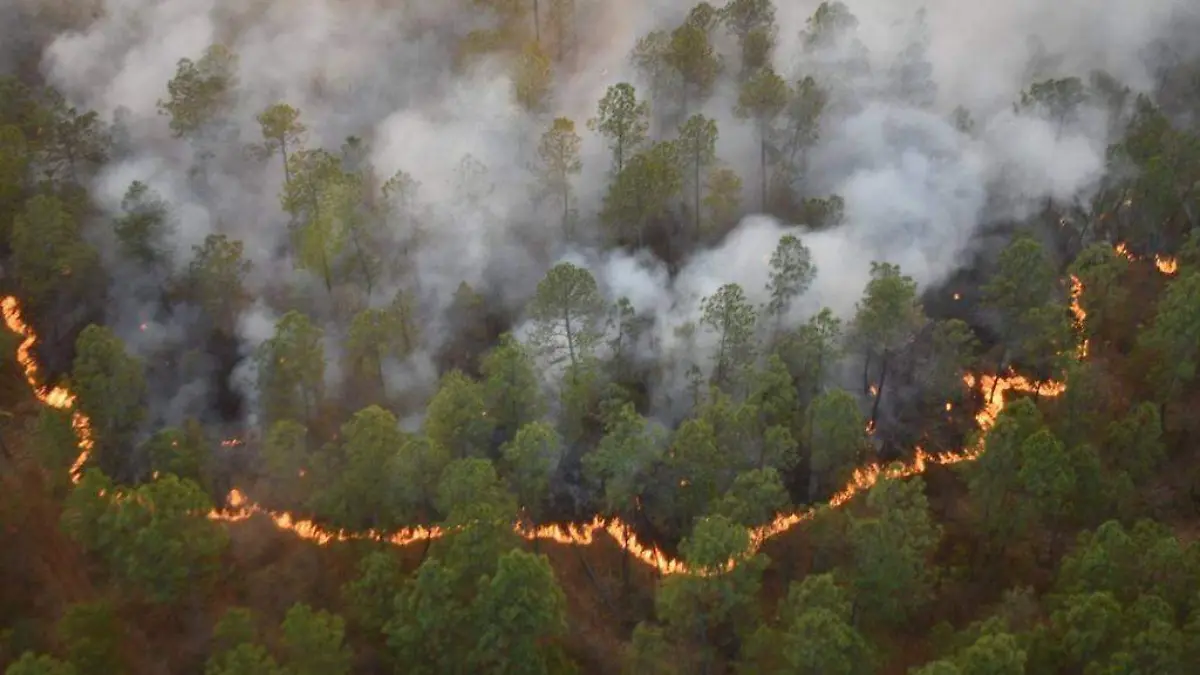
column 378, row 189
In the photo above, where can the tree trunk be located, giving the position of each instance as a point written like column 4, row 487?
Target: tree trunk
column 537, row 24
column 867, row 374
column 762, row 166
column 883, row 369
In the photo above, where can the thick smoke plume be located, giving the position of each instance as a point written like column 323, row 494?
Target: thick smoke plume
column 918, row 190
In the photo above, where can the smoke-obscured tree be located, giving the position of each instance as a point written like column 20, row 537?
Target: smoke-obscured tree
column 893, row 549
column 761, row 100
column 69, row 139
column 201, row 91
column 729, row 315
column 156, row 539
column 811, row 350
column 792, row 272
column 1023, row 282
column 912, row 73
column 709, row 607
column 320, row 199
column 623, row 120
column 532, row 77
column 468, row 313
column 39, row 664
column 561, row 19
column 291, row 370
column 558, row 151
column 1058, row 99
column 836, row 439
column 567, row 310
column 1174, row 339
column 110, row 387
column 313, row 641
column 519, row 614
column 457, row 417
column 379, row 334
column 642, row 192
column 951, row 350
column 52, row 262
column 722, row 198
column 512, row 387
column 752, row 22
column 370, row 596
column 627, row 327
column 282, row 132
column 697, row 151
column 144, row 226
column 358, row 490
column 691, row 54
column 286, row 461
column 887, row 319
column 529, row 461
column 806, row 103
column 754, row 498
column 1158, row 202
column 217, row 274
column 90, row 633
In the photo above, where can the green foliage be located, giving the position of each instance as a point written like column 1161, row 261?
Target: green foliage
column 511, row 387
column 567, row 310
column 51, row 260
column 91, row 636
column 530, row 460
column 110, row 387
column 519, row 612
column 729, row 315
column 156, row 539
column 360, row 491
column 370, row 596
column 893, row 575
column 291, row 369
column 623, row 120
column 836, row 439
column 39, row 664
column 457, row 417
column 217, row 274
column 201, row 90
column 312, row 640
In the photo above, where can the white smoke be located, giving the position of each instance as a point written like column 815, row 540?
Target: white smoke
column 916, row 189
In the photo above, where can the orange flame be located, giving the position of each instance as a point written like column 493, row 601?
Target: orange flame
column 59, row 398
column 238, row 507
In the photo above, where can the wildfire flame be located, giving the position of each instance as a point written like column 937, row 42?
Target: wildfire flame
column 239, row 507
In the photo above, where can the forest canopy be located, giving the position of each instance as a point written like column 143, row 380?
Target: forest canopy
column 571, row 336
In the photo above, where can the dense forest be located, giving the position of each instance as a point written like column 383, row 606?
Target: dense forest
column 593, row 336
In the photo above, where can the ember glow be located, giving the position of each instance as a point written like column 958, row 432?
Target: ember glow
column 239, row 507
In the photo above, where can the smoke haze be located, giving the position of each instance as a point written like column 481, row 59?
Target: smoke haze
column 917, row 190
